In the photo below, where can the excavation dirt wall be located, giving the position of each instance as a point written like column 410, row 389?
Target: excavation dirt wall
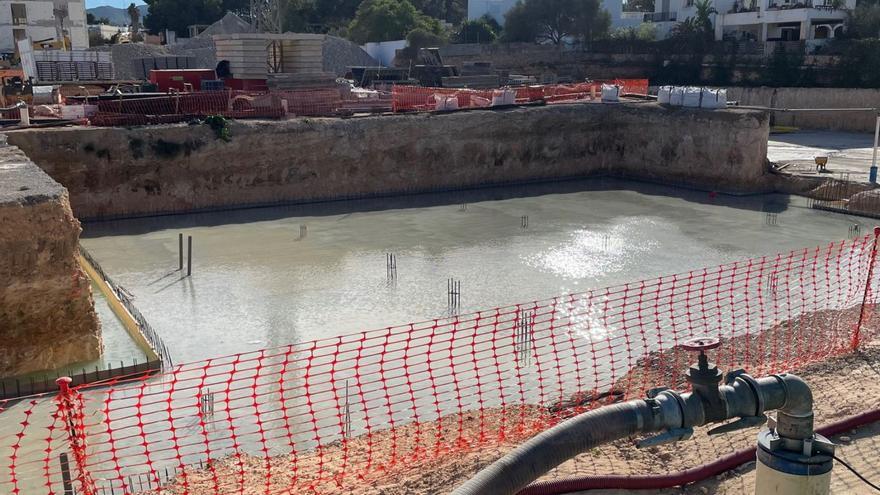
column 113, row 172
column 814, row 98
column 47, row 315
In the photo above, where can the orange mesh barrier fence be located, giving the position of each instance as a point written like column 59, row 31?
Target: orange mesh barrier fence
column 235, row 104
column 330, row 102
column 329, row 415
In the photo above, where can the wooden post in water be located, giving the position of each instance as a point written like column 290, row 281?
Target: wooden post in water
column 180, row 251
column 189, row 255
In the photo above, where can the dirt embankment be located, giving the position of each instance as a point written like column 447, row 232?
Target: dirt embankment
column 47, row 315
column 113, row 172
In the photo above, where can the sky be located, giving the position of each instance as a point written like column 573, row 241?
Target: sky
column 113, row 3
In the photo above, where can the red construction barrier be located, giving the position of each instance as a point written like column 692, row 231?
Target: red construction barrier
column 329, row 102
column 329, row 415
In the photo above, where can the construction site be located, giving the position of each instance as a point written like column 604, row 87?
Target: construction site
column 264, row 263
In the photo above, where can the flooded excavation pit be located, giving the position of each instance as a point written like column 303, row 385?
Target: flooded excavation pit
column 288, row 325
column 275, row 276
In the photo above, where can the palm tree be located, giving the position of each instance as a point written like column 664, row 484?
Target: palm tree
column 703, row 18
column 135, row 15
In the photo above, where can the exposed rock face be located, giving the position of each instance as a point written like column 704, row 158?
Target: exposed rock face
column 47, row 315
column 146, row 170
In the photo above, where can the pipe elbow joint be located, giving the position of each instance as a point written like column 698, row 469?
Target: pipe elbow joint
column 795, row 418
column 798, row 396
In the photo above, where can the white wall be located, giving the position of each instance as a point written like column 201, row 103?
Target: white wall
column 106, row 31
column 41, row 23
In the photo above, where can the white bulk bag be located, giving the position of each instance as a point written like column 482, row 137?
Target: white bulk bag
column 503, row 97
column 691, row 97
column 446, row 102
column 676, row 96
column 664, row 94
column 714, row 98
column 610, row 93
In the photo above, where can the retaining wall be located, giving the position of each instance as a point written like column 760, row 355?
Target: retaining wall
column 814, row 98
column 113, row 172
column 47, row 315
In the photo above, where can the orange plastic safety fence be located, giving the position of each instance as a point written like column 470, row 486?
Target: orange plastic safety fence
column 327, row 415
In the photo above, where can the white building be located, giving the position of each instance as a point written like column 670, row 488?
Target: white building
column 106, row 31
column 761, row 20
column 42, row 20
column 498, row 8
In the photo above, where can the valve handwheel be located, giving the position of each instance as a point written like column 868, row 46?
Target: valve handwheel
column 702, row 344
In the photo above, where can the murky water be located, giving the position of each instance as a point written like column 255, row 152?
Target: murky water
column 273, row 276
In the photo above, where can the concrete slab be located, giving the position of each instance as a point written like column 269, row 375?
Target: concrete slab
column 795, row 153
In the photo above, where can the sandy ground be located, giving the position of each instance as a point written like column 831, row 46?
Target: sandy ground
column 794, row 153
column 842, row 386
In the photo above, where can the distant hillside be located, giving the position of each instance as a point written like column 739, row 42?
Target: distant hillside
column 118, row 17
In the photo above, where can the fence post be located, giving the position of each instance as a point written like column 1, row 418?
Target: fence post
column 71, row 412
column 856, row 340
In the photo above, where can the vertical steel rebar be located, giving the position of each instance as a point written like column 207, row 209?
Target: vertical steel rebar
column 66, row 481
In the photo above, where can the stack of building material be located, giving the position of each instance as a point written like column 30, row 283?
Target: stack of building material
column 247, row 56
column 300, row 81
column 143, row 65
column 479, row 75
column 474, row 82
column 285, row 61
column 60, row 65
column 302, row 64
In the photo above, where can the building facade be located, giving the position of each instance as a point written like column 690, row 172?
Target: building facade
column 498, row 8
column 760, row 20
column 42, row 20
column 746, row 20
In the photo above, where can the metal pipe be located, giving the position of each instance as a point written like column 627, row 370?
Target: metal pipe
column 680, row 478
column 676, row 414
column 552, row 447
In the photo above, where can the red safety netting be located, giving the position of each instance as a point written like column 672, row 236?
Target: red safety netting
column 328, row 415
column 418, row 99
column 332, row 102
column 179, row 107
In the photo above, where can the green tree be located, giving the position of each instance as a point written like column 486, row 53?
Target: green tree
column 518, row 26
column 135, row 16
column 178, row 15
column 482, row 30
column 863, row 54
column 703, row 18
column 90, row 18
column 644, row 32
column 698, row 29
column 559, row 20
column 784, row 68
column 451, row 11
column 864, row 20
column 386, row 20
